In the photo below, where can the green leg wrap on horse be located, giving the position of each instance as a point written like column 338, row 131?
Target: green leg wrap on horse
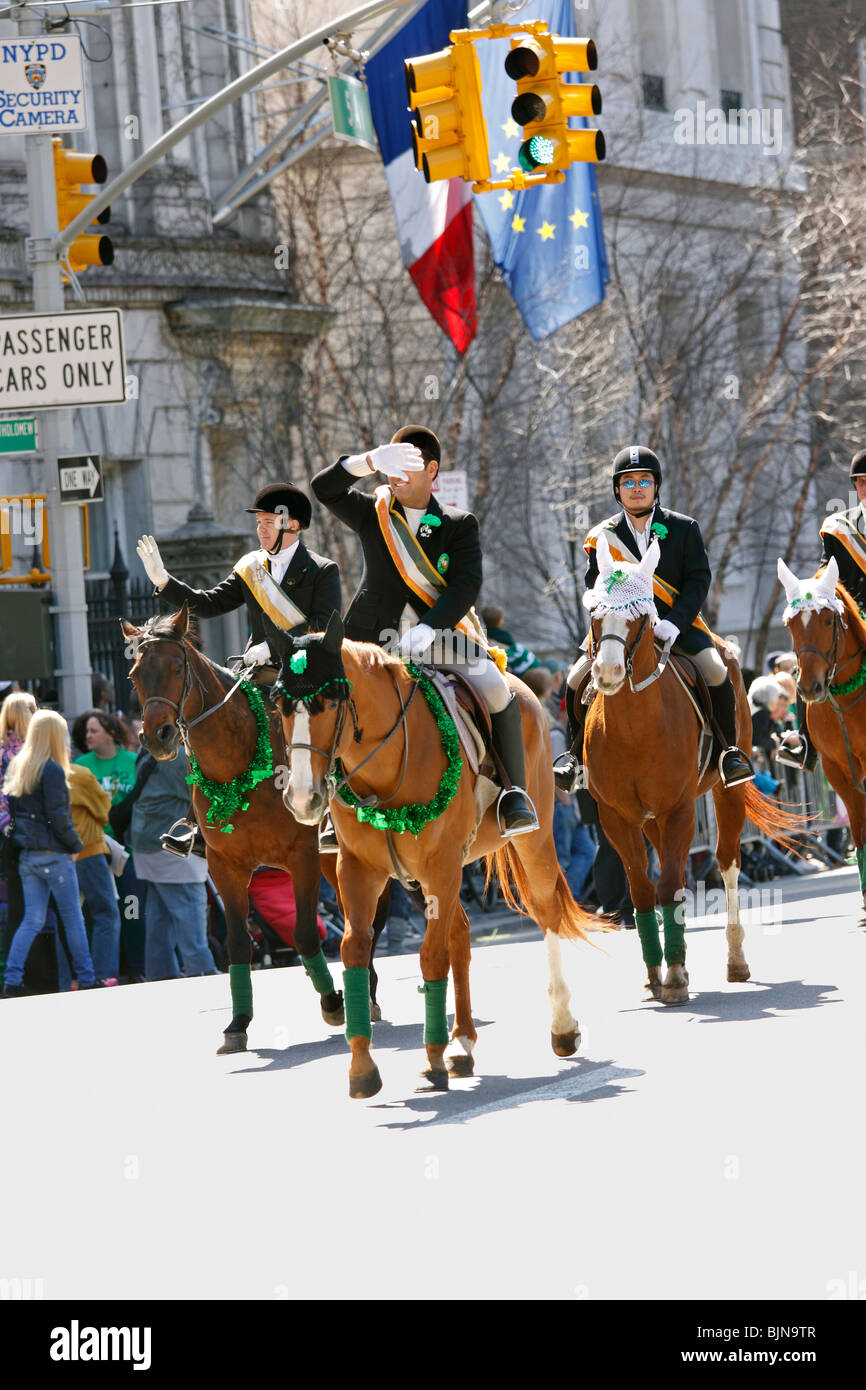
column 675, row 934
column 861, row 866
column 648, row 930
column 317, row 969
column 242, row 989
column 435, row 1019
column 356, row 998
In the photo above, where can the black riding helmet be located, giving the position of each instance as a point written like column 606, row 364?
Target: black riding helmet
column 858, row 465
column 636, row 458
column 286, row 500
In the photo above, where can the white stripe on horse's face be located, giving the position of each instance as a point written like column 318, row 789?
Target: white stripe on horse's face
column 302, row 791
column 608, row 668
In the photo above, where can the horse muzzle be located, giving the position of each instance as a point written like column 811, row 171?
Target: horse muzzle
column 163, row 743
column 307, row 809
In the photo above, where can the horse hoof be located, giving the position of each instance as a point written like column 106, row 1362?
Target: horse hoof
column 234, row 1042
column 336, row 1016
column 565, row 1044
column 676, row 994
column 369, row 1083
column 461, row 1064
column 375, row 1013
column 738, row 972
column 438, row 1081
column 653, row 989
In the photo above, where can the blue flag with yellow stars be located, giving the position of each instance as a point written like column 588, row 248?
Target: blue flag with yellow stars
column 548, row 240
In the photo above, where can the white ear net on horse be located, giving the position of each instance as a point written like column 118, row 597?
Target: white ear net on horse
column 621, row 590
column 810, row 595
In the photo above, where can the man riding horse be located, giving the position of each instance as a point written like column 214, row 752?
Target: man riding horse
column 843, row 538
column 681, row 583
column 422, row 573
column 295, row 587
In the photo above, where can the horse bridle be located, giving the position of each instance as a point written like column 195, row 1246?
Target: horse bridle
column 184, row 725
column 629, row 650
column 831, row 659
column 330, row 755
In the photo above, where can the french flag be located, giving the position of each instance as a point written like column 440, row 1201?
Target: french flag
column 434, row 221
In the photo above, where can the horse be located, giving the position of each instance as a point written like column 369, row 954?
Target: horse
column 641, row 746
column 229, row 734
column 370, row 734
column 828, row 633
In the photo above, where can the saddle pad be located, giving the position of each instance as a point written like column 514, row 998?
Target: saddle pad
column 472, row 744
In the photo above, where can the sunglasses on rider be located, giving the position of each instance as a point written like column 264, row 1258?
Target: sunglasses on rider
column 638, row 482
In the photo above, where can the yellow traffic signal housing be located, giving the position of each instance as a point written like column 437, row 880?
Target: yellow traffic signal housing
column 544, row 101
column 449, row 133
column 71, row 170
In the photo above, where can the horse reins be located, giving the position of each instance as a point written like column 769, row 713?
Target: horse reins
column 832, row 665
column 629, row 651
column 184, row 725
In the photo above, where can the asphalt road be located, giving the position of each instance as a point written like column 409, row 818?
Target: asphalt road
column 711, row 1151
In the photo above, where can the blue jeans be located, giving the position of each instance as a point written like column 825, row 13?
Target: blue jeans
column 175, row 922
column 44, row 874
column 96, row 882
column 575, row 847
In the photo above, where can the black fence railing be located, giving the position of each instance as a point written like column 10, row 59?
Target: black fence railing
column 109, row 600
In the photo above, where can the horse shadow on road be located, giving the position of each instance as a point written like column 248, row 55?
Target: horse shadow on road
column 768, row 1000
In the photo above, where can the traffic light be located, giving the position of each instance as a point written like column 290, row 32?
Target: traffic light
column 71, row 170
column 544, row 101
column 449, row 133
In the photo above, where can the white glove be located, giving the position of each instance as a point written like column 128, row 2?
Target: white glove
column 258, row 655
column 148, row 554
column 666, row 631
column 395, row 460
column 416, row 641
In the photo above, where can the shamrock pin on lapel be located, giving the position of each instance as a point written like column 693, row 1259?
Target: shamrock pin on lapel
column 659, row 530
column 428, row 520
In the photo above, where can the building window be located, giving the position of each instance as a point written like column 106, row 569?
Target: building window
column 730, row 101
column 653, row 91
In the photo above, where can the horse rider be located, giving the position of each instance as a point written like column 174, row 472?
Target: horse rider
column 422, row 573
column 843, row 536
column 295, row 587
column 681, row 583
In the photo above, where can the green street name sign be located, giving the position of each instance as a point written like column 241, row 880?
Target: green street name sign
column 18, row 437
column 350, row 112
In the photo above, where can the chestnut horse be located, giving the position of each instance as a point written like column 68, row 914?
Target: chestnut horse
column 641, row 751
column 829, row 636
column 184, row 696
column 371, row 735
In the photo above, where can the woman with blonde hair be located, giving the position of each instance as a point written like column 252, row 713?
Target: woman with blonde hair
column 37, row 794
column 15, row 714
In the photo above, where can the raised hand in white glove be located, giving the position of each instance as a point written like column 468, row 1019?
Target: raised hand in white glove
column 258, row 655
column 666, row 631
column 395, row 460
column 416, row 641
column 148, row 554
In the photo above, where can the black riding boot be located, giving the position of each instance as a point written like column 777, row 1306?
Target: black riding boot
column 568, row 767
column 796, row 749
column 514, row 808
column 734, row 765
column 183, row 839
column 328, row 842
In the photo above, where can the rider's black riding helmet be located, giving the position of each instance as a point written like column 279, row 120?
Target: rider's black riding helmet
column 636, row 458
column 858, row 465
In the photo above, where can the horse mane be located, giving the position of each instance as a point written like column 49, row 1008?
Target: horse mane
column 372, row 658
column 162, row 625
column 853, row 616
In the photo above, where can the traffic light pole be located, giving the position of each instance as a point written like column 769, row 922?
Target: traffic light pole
column 67, row 563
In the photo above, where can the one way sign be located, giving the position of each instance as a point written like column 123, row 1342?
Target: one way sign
column 81, row 478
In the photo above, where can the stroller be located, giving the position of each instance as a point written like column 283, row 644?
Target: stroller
column 272, row 919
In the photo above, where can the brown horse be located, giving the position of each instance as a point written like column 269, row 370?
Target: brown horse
column 641, row 750
column 362, row 730
column 829, row 637
column 184, row 696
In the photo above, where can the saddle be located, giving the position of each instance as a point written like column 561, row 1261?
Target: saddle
column 455, row 689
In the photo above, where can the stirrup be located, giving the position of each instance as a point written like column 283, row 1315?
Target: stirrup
column 745, row 773
column 525, row 818
column 179, row 839
column 793, row 757
column 328, row 842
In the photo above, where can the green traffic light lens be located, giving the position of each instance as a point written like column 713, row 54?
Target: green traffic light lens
column 541, row 150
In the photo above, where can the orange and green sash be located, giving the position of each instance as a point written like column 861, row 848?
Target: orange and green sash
column 267, row 593
column 667, row 593
column 843, row 529
column 419, row 574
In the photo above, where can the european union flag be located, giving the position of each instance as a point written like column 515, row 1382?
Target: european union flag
column 547, row 241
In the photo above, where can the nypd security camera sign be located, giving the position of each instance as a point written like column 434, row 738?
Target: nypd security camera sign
column 41, row 84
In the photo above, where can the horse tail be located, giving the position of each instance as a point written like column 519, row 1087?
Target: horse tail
column 780, row 820
column 511, row 874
